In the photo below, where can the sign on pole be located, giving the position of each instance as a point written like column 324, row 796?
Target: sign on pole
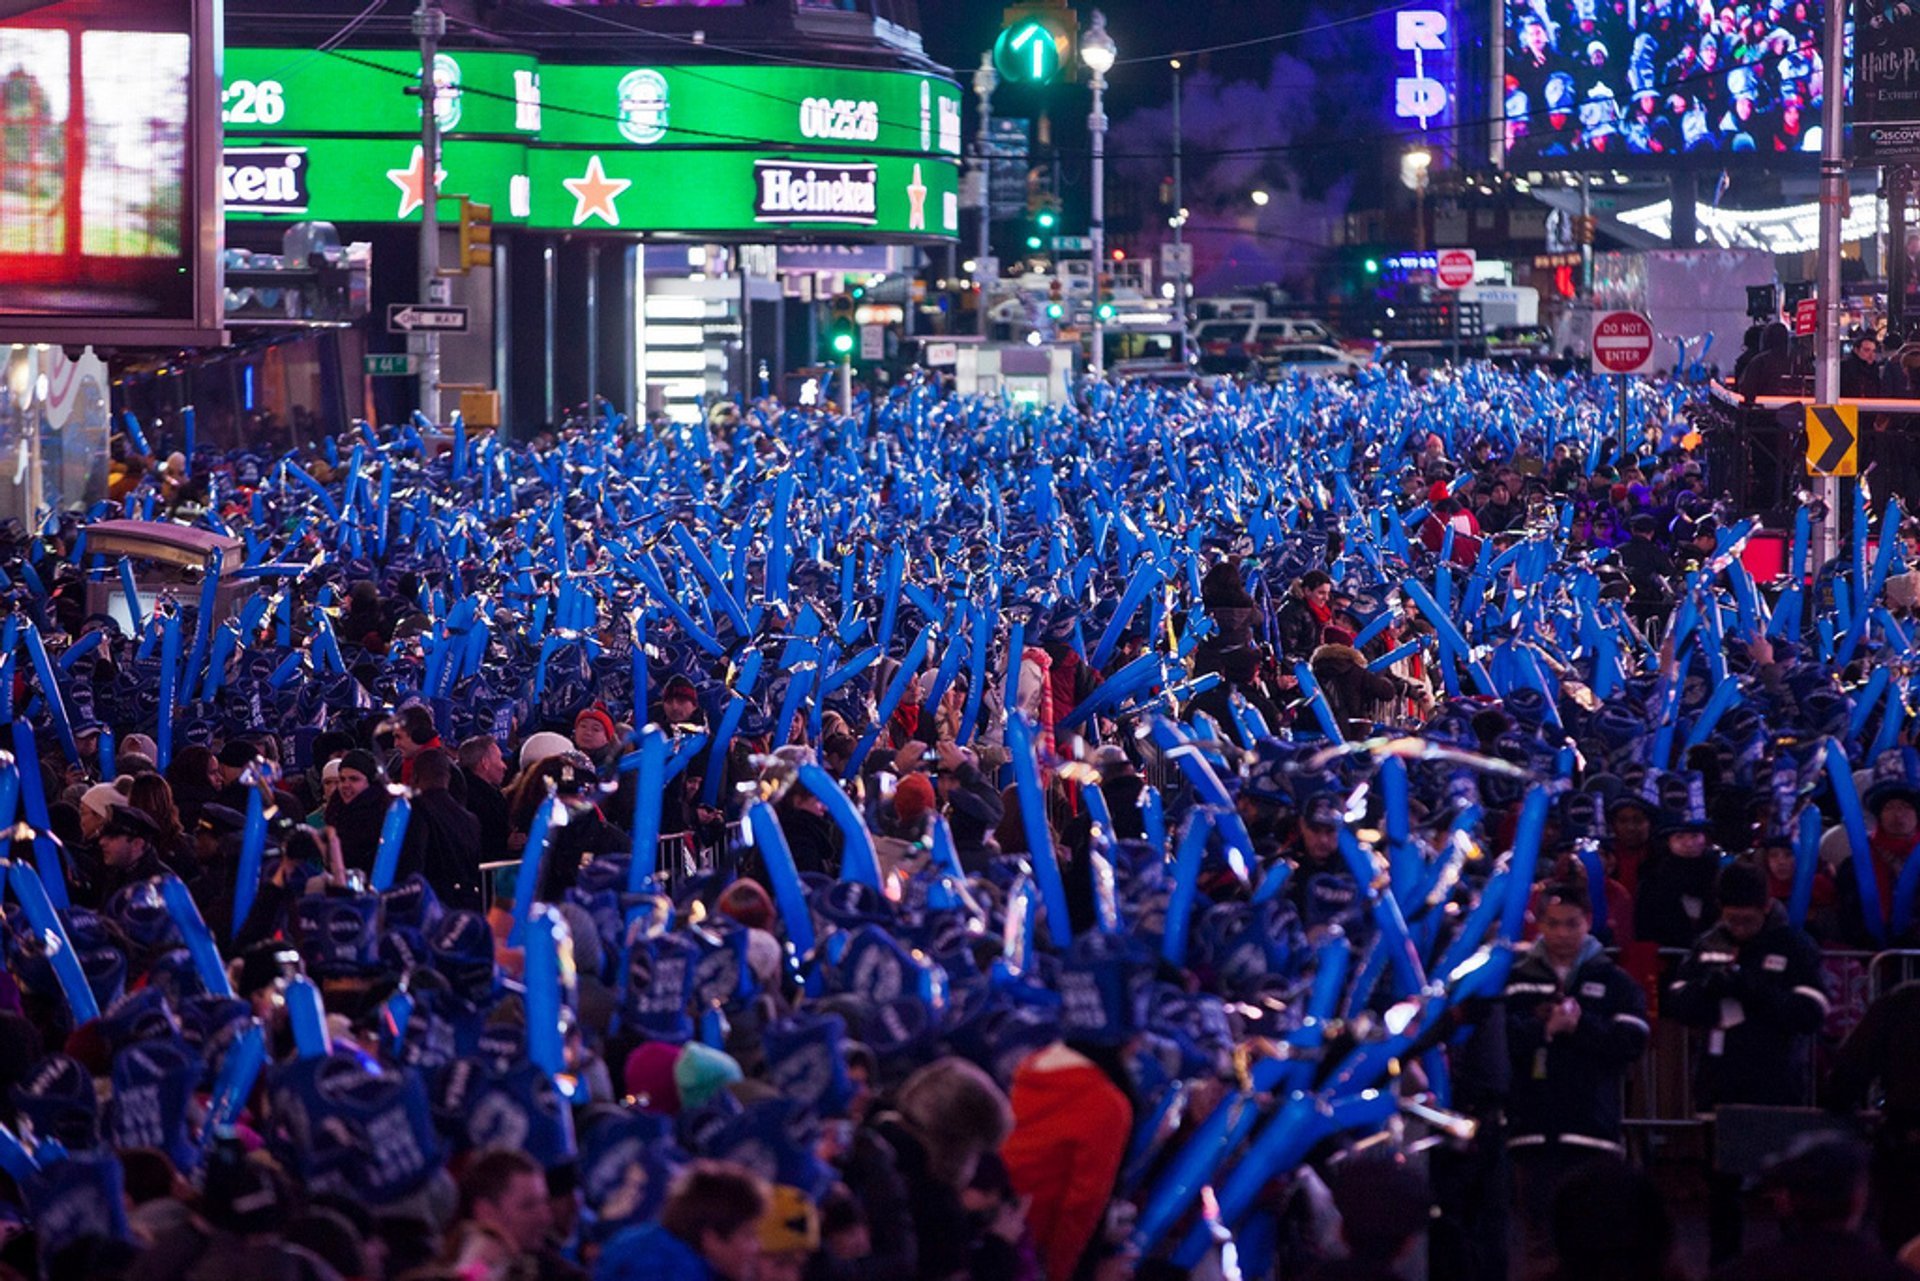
column 1833, row 440
column 1453, row 268
column 415, row 317
column 1622, row 342
column 1176, row 260
column 1073, row 244
column 1806, row 317
column 873, row 342
column 391, row 366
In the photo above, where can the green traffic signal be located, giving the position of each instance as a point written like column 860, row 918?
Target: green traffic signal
column 1055, row 311
column 1025, row 53
column 1047, row 219
column 843, row 344
column 1033, row 242
column 1373, row 266
column 1106, row 311
column 842, row 338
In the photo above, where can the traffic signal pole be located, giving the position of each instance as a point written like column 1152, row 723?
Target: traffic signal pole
column 1833, row 195
column 1097, row 217
column 429, row 24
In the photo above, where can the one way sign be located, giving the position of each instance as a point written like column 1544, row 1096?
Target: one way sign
column 419, row 318
column 1833, row 440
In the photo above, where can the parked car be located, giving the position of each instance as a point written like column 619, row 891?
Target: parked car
column 1311, row 360
column 1244, row 346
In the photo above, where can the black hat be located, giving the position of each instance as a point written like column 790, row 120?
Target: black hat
column 1890, row 789
column 220, row 820
column 243, row 1196
column 128, row 820
column 263, row 963
column 238, row 753
column 362, row 762
column 679, row 686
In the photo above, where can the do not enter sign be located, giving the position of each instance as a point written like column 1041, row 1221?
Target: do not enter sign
column 1622, row 342
column 1453, row 268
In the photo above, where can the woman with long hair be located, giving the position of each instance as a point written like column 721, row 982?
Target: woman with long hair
column 191, row 776
column 154, row 795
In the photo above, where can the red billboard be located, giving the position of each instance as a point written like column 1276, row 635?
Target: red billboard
column 109, row 155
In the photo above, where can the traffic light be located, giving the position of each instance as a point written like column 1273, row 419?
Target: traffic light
column 476, row 234
column 1373, row 266
column 843, row 338
column 1038, row 43
column 1047, row 219
column 1105, row 311
column 1055, row 311
column 1033, row 242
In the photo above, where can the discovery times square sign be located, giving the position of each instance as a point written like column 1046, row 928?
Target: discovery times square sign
column 687, row 149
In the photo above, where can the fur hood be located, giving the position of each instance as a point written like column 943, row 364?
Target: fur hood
column 1338, row 656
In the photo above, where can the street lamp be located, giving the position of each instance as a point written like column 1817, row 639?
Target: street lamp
column 1414, row 166
column 984, row 80
column 1098, row 51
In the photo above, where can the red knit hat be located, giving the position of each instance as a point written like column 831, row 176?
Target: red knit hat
column 649, row 1077
column 1438, row 492
column 597, row 714
column 912, row 797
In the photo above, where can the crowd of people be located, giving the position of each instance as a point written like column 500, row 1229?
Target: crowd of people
column 1660, row 77
column 1242, row 831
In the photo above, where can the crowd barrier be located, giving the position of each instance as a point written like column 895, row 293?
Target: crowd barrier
column 680, row 861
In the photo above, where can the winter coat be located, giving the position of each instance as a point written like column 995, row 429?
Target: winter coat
column 1761, row 1003
column 357, row 823
column 443, row 844
column 1354, row 693
column 1567, row 1090
column 1296, row 630
column 1071, row 1126
column 1675, row 899
column 649, row 1252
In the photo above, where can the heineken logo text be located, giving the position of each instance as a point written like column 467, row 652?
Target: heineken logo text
column 265, row 179
column 786, row 191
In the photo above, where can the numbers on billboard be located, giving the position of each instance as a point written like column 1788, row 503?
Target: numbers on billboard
column 253, row 102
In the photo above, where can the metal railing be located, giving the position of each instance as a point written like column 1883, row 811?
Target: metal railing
column 680, row 860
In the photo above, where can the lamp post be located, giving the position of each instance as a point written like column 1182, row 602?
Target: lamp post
column 1179, row 211
column 984, row 80
column 1098, row 51
column 1414, row 167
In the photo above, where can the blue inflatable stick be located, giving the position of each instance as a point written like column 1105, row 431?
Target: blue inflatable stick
column 307, row 1016
column 1840, row 778
column 393, row 836
column 198, row 938
column 548, row 973
column 858, row 861
column 649, row 783
column 39, row 911
column 1033, row 816
column 551, row 814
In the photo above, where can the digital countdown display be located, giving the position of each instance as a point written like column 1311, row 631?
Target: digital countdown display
column 1600, row 81
column 108, row 156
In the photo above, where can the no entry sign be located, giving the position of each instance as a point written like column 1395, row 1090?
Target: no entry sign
column 1622, row 342
column 1453, row 268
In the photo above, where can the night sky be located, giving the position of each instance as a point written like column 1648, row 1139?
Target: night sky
column 1305, row 118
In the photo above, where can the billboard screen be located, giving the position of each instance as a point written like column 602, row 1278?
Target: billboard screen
column 1886, row 99
column 107, row 155
column 1601, row 81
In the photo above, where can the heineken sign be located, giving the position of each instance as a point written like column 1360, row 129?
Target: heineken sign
column 265, row 180
column 786, row 192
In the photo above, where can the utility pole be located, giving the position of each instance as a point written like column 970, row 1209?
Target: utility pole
column 429, row 24
column 1833, row 195
column 985, row 78
column 1179, row 210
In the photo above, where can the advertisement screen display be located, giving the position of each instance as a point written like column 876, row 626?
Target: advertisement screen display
column 95, row 161
column 1600, row 81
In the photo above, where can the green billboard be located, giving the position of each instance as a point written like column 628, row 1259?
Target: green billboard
column 772, row 151
column 308, row 91
column 659, row 107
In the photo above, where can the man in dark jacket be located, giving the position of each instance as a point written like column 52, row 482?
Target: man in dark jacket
column 443, row 839
column 1358, row 695
column 486, row 769
column 1754, row 985
column 1820, row 1185
column 1766, row 374
column 1674, row 899
column 1575, row 1023
column 1860, row 371
column 971, row 803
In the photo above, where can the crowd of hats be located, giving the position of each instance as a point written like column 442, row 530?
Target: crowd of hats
column 789, row 564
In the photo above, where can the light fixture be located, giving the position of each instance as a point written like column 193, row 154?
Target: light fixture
column 1260, row 197
column 1097, row 49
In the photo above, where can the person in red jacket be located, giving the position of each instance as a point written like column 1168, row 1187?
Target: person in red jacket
column 1072, row 1115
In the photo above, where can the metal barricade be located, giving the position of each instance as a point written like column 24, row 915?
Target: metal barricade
column 1888, row 970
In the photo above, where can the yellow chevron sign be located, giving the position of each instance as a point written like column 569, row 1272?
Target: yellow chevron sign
column 1833, row 440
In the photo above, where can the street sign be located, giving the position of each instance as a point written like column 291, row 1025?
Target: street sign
column 440, row 291
column 1176, row 260
column 940, row 355
column 394, row 366
column 1622, row 342
column 412, row 317
column 1073, row 244
column 873, row 342
column 1833, row 439
column 1806, row 317
column 1454, row 267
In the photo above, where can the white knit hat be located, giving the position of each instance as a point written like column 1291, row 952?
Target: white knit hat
column 543, row 746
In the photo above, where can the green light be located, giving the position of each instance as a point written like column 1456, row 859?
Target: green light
column 1026, row 52
column 1055, row 311
column 1106, row 311
column 1047, row 219
column 843, row 344
column 1373, row 266
column 1033, row 242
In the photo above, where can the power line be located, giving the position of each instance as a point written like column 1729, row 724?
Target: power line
column 1260, row 40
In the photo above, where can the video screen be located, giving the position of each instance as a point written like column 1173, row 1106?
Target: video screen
column 1618, row 78
column 95, row 184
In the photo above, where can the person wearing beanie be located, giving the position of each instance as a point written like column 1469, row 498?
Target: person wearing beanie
column 789, row 1234
column 748, row 903
column 359, row 809
column 1755, row 987
column 649, row 1078
column 96, row 807
column 595, row 734
column 701, row 1072
column 543, row 746
column 913, row 800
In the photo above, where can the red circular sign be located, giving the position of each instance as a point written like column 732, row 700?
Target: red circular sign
column 1454, row 268
column 1622, row 342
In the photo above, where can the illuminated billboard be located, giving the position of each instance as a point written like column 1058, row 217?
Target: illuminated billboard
column 1605, row 81
column 108, row 166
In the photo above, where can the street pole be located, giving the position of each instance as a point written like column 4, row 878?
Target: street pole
column 846, row 385
column 984, row 80
column 1899, row 185
column 429, row 24
column 1097, row 219
column 1179, row 207
column 1833, row 194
